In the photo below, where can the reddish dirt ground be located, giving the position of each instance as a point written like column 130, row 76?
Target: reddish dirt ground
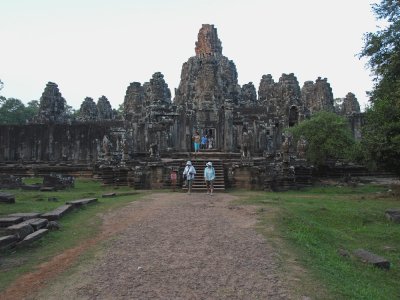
column 165, row 246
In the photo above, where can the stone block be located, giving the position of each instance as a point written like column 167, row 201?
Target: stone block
column 8, row 221
column 37, row 223
column 108, row 195
column 80, row 202
column 57, row 213
column 25, row 216
column 393, row 215
column 126, row 193
column 32, row 237
column 21, row 230
column 7, row 198
column 53, row 225
column 47, row 189
column 8, row 241
column 31, row 187
column 372, row 258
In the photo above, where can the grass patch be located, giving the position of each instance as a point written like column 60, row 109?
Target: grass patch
column 77, row 226
column 318, row 222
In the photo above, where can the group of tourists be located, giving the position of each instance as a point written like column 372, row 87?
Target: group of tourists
column 209, row 176
column 206, row 141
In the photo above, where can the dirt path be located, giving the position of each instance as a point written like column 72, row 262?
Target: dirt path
column 176, row 246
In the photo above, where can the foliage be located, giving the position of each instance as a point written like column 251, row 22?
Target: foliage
column 328, row 136
column 13, row 111
column 381, row 135
column 320, row 221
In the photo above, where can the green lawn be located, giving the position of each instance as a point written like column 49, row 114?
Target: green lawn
column 317, row 222
column 76, row 226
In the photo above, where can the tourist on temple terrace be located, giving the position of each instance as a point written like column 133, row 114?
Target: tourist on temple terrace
column 196, row 140
column 204, row 142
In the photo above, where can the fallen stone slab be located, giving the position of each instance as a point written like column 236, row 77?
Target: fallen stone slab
column 7, row 242
column 25, row 216
column 7, row 198
column 126, row 193
column 47, row 189
column 8, row 221
column 109, row 195
column 57, row 213
column 32, row 237
column 37, row 223
column 80, row 202
column 31, row 187
column 372, row 258
column 393, row 215
column 21, row 230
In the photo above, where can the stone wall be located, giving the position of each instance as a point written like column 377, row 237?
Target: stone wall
column 79, row 142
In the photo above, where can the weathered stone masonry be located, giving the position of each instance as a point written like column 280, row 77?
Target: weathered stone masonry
column 155, row 128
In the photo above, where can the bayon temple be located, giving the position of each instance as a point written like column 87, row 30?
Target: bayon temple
column 153, row 138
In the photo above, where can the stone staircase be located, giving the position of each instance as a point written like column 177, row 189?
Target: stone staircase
column 199, row 184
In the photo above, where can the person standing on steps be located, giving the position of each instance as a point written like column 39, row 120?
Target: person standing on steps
column 209, row 176
column 188, row 175
column 204, row 142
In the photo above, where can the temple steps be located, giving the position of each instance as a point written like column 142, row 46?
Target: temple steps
column 199, row 184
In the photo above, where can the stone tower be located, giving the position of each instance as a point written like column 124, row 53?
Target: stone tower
column 52, row 107
column 207, row 91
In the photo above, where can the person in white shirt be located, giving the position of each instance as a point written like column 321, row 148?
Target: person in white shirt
column 188, row 175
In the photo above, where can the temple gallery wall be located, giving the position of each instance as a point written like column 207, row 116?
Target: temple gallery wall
column 154, row 137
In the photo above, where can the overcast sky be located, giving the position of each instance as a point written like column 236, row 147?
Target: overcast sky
column 92, row 48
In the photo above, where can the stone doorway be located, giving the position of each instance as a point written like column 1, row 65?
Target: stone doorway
column 211, row 134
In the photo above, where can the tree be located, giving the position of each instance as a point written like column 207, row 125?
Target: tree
column 32, row 108
column 12, row 111
column 381, row 134
column 328, row 136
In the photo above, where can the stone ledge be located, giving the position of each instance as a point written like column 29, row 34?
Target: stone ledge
column 37, row 223
column 57, row 213
column 80, row 202
column 25, row 216
column 9, row 221
column 109, row 195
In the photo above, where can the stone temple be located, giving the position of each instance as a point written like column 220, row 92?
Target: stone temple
column 154, row 137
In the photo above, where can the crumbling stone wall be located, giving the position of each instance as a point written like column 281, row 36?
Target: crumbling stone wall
column 79, row 142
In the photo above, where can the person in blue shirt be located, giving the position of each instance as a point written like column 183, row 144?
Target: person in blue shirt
column 209, row 176
column 204, row 142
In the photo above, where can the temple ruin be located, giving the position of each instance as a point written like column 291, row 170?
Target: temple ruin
column 154, row 138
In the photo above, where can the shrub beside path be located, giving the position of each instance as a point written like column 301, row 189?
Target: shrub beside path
column 176, row 246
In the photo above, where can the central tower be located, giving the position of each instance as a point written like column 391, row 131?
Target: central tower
column 208, row 90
